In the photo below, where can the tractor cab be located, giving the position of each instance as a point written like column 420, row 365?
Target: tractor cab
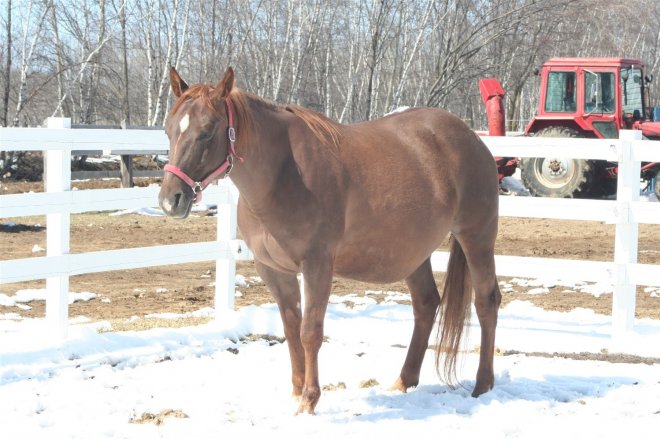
column 580, row 97
column 594, row 96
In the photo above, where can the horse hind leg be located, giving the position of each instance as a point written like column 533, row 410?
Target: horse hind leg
column 425, row 301
column 479, row 253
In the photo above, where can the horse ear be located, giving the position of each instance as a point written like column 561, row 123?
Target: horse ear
column 225, row 86
column 178, row 85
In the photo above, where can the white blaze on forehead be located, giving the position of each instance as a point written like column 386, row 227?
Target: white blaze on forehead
column 184, row 122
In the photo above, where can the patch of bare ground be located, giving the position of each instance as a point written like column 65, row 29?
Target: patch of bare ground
column 157, row 418
column 595, row 356
column 124, row 295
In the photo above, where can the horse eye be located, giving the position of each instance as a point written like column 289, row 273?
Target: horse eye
column 206, row 136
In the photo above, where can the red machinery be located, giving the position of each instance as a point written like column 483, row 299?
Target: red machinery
column 581, row 97
column 492, row 94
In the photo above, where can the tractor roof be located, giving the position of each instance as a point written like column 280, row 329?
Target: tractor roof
column 593, row 62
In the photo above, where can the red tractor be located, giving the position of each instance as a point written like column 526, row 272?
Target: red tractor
column 581, row 97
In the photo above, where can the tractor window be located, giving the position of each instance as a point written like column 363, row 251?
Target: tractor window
column 599, row 92
column 560, row 95
column 631, row 90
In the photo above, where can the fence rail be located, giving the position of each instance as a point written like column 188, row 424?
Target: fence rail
column 58, row 202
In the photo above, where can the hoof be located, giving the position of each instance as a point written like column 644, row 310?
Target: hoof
column 306, row 409
column 399, row 386
column 481, row 389
column 310, row 397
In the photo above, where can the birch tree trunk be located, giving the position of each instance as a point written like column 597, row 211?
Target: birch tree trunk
column 27, row 53
column 171, row 58
column 124, row 49
column 379, row 28
column 90, row 81
column 411, row 55
column 59, row 110
column 7, row 87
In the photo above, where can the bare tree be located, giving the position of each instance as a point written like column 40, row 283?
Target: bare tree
column 91, row 37
column 409, row 52
column 5, row 158
column 7, row 75
column 126, row 106
column 381, row 17
column 163, row 17
column 352, row 59
column 27, row 51
column 61, row 72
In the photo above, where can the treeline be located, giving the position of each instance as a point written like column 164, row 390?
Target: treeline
column 106, row 61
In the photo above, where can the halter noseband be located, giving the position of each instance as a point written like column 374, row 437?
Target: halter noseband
column 224, row 168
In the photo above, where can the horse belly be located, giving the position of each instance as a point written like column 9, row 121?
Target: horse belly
column 388, row 255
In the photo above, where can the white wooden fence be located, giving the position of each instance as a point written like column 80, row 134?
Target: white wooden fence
column 626, row 212
column 58, row 202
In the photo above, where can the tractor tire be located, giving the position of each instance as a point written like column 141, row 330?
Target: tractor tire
column 555, row 176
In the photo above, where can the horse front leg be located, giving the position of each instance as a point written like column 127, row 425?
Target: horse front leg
column 317, row 273
column 286, row 291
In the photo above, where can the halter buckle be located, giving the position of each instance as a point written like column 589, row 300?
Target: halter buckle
column 230, row 166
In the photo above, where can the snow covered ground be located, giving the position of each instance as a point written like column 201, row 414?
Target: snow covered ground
column 202, row 382
column 207, row 381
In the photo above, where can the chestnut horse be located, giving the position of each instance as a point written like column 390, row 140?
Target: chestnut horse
column 369, row 201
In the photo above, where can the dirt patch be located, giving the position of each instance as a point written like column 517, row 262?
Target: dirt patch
column 157, row 418
column 599, row 356
column 334, row 387
column 148, row 293
column 367, row 384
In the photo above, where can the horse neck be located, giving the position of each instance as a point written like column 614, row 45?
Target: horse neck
column 268, row 150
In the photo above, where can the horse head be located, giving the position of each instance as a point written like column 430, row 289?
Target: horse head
column 201, row 133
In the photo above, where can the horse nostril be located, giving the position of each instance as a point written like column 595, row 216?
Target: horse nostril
column 177, row 199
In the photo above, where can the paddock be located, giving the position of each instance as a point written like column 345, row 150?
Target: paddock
column 596, row 369
column 58, row 202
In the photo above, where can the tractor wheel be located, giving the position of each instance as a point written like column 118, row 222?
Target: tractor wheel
column 557, row 176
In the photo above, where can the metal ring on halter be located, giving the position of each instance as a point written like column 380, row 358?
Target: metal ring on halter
column 230, row 166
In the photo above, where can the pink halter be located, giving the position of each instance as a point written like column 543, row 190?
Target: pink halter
column 224, row 168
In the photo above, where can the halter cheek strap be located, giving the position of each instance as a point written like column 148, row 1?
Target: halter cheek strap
column 221, row 171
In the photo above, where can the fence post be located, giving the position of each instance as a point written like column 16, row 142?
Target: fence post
column 225, row 268
column 57, row 178
column 626, row 235
column 126, row 170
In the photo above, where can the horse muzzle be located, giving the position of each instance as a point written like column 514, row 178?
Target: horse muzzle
column 176, row 201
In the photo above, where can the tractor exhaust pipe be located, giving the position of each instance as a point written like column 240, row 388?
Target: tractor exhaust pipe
column 492, row 94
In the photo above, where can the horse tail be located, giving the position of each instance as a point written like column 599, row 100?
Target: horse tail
column 453, row 314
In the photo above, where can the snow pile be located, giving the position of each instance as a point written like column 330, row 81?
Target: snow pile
column 25, row 296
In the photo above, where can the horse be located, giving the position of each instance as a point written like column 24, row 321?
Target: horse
column 368, row 201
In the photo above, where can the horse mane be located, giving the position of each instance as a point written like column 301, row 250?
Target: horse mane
column 325, row 129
